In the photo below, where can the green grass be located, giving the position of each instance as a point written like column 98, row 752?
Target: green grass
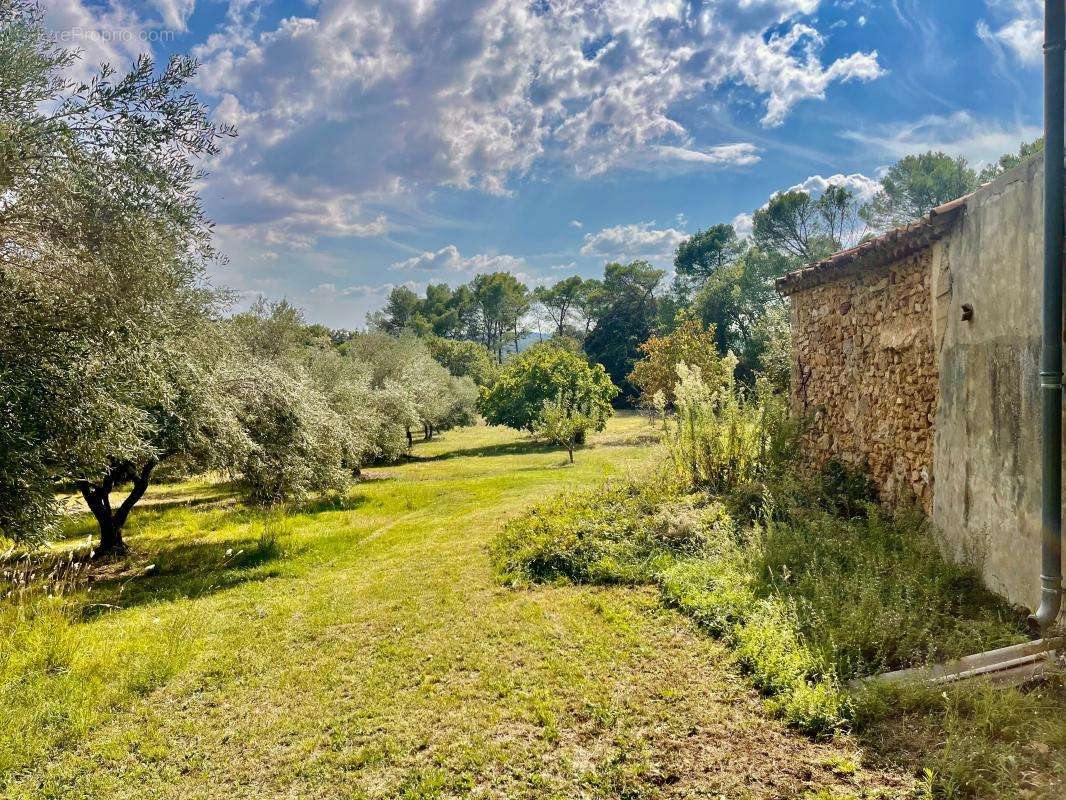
column 365, row 649
column 808, row 601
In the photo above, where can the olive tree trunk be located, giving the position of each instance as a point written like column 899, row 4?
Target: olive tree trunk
column 111, row 520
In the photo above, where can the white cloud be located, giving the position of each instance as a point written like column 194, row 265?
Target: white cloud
column 448, row 258
column 629, row 242
column 331, row 290
column 495, row 263
column 111, row 33
column 258, row 212
column 369, row 100
column 862, row 186
column 737, row 155
column 960, row 134
column 743, row 224
column 1019, row 27
column 576, row 223
column 175, row 13
column 787, row 68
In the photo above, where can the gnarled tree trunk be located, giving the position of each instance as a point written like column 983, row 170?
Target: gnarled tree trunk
column 98, row 498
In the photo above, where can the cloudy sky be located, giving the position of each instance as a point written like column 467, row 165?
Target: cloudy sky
column 385, row 142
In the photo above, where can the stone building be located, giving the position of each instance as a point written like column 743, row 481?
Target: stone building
column 916, row 357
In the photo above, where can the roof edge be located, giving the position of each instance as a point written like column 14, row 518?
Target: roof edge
column 882, row 250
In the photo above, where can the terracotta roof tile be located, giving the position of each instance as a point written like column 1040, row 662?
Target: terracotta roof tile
column 884, row 249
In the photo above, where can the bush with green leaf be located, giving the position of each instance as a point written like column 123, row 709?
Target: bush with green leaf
column 725, row 436
column 547, row 373
column 690, row 344
column 875, row 594
column 620, row 533
column 464, row 359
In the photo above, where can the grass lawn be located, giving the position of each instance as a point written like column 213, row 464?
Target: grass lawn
column 365, row 650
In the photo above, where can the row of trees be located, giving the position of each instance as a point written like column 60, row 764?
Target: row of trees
column 608, row 318
column 118, row 359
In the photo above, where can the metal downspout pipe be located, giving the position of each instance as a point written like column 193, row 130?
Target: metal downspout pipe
column 1051, row 352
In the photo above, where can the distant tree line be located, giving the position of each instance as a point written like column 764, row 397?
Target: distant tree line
column 723, row 285
column 608, row 318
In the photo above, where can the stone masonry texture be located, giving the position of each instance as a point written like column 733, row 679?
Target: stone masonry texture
column 865, row 374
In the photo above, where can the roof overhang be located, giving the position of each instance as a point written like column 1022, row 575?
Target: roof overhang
column 885, row 249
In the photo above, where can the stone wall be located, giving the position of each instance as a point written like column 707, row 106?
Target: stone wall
column 987, row 506
column 926, row 371
column 865, row 373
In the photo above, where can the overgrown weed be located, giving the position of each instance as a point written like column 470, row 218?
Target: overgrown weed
column 972, row 740
column 806, row 577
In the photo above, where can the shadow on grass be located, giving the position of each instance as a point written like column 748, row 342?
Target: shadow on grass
column 525, row 447
column 630, row 440
column 181, row 570
column 320, row 505
column 79, row 523
column 533, row 447
column 170, row 563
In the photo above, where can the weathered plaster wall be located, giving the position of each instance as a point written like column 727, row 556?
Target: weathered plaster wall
column 987, row 441
column 865, row 373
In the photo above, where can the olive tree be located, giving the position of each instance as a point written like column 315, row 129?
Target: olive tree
column 421, row 393
column 298, row 443
column 304, row 405
column 103, row 242
column 464, row 359
column 188, row 421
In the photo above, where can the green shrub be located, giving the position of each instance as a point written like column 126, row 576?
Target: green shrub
column 819, row 708
column 716, row 592
column 768, row 646
column 619, row 533
column 844, row 490
column 725, row 436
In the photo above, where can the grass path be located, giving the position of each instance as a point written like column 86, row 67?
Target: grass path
column 378, row 658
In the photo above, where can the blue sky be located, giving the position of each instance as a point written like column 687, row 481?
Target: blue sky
column 387, row 142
